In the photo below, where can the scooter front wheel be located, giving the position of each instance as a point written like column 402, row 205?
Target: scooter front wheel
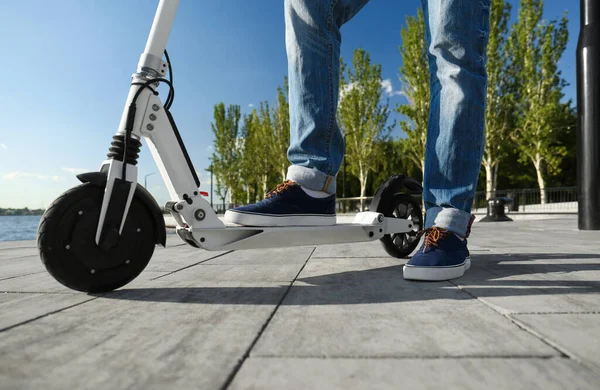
column 67, row 246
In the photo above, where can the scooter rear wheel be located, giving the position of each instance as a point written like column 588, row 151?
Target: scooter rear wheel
column 66, row 242
column 403, row 206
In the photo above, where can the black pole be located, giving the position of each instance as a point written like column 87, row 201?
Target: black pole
column 344, row 181
column 344, row 186
column 588, row 116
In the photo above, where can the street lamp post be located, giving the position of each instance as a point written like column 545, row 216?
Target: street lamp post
column 588, row 116
column 146, row 177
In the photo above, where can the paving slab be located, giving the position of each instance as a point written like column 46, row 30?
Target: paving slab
column 345, row 308
column 576, row 333
column 535, row 282
column 168, row 260
column 18, row 244
column 132, row 343
column 243, row 273
column 17, row 252
column 16, row 308
column 247, row 266
column 475, row 374
column 561, row 232
column 43, row 282
column 359, row 250
column 20, row 266
column 274, row 256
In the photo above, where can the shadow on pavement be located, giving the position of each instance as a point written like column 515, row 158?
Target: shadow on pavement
column 385, row 284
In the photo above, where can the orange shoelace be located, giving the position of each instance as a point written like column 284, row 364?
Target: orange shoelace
column 433, row 236
column 280, row 188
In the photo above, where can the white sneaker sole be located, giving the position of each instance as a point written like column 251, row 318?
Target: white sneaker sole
column 436, row 274
column 250, row 219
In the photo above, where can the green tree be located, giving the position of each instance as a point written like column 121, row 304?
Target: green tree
column 392, row 160
column 226, row 155
column 537, row 46
column 281, row 127
column 265, row 147
column 361, row 115
column 252, row 166
column 414, row 76
column 499, row 109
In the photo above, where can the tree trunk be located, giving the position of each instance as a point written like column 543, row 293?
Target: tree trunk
column 283, row 174
column 496, row 169
column 248, row 194
column 363, row 187
column 264, row 184
column 540, row 178
column 491, row 175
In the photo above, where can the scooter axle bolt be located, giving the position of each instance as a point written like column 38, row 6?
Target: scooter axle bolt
column 68, row 247
column 199, row 214
column 179, row 207
column 80, row 212
column 127, row 261
column 150, row 127
column 93, row 271
column 138, row 230
column 152, row 117
column 155, row 107
column 380, row 218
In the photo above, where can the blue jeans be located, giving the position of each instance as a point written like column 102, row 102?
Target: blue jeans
column 457, row 32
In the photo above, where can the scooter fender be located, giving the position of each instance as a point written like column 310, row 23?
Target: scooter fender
column 394, row 185
column 98, row 179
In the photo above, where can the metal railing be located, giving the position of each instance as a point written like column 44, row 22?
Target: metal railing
column 352, row 205
column 529, row 200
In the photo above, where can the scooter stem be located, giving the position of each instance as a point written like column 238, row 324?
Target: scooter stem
column 151, row 59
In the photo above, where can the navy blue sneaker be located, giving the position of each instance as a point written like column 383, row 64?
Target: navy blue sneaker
column 442, row 256
column 286, row 205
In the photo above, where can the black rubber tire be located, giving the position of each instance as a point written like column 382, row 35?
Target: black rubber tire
column 67, row 247
column 403, row 206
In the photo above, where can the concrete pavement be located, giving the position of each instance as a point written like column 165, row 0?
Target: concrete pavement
column 526, row 316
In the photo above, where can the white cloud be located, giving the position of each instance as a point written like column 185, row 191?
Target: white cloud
column 209, row 147
column 28, row 175
column 388, row 89
column 3, row 146
column 386, row 85
column 250, row 105
column 76, row 170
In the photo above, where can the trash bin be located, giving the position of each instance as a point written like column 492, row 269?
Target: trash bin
column 495, row 210
column 514, row 205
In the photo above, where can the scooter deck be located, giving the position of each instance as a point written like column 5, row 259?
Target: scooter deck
column 248, row 237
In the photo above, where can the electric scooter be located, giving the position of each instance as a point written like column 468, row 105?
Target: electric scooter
column 101, row 234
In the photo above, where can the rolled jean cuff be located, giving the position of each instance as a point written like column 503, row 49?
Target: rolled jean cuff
column 451, row 219
column 311, row 179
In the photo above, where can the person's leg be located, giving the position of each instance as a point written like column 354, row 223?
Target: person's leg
column 312, row 35
column 457, row 33
column 313, row 39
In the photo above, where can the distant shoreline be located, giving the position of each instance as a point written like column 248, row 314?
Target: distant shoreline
column 20, row 212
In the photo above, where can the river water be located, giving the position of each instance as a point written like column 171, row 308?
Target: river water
column 18, row 227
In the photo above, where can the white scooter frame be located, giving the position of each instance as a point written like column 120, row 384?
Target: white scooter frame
column 197, row 222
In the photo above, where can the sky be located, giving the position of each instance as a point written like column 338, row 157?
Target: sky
column 68, row 64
